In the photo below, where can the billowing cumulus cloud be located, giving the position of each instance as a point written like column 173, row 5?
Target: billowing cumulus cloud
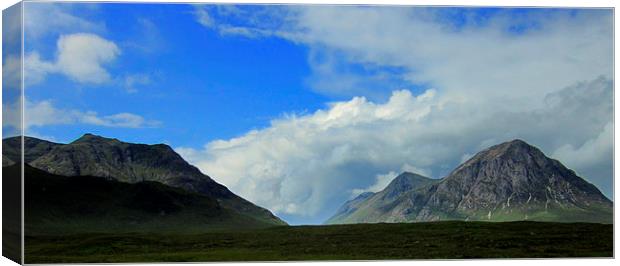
column 306, row 165
column 450, row 90
column 80, row 56
column 295, row 165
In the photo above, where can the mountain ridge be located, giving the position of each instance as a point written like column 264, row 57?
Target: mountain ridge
column 366, row 206
column 33, row 148
column 505, row 182
column 110, row 158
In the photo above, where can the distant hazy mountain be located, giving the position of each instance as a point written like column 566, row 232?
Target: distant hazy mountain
column 509, row 181
column 370, row 207
column 97, row 156
column 67, row 205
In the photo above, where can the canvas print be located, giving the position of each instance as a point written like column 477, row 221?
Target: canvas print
column 170, row 132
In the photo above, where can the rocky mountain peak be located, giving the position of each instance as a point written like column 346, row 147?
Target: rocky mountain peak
column 509, row 181
column 515, row 151
column 111, row 158
column 514, row 147
column 408, row 179
column 93, row 139
column 162, row 150
column 405, row 182
column 513, row 175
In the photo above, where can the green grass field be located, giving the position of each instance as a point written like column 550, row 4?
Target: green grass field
column 438, row 240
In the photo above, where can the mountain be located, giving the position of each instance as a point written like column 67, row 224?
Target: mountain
column 6, row 161
column 33, row 148
column 506, row 182
column 350, row 208
column 59, row 204
column 371, row 207
column 92, row 155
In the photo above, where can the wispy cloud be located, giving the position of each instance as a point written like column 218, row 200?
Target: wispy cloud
column 133, row 81
column 45, row 113
column 238, row 21
column 146, row 37
column 531, row 52
column 42, row 19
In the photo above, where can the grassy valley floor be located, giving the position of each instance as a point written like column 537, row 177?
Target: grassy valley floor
column 437, row 240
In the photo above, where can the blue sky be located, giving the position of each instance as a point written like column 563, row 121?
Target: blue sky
column 231, row 86
column 299, row 108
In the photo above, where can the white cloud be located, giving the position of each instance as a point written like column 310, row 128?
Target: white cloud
column 44, row 113
column 131, row 82
column 475, row 60
column 207, row 15
column 127, row 120
column 297, row 163
column 42, row 19
column 12, row 72
column 592, row 152
column 381, row 181
column 11, row 116
column 203, row 17
column 146, row 37
column 548, row 83
column 307, row 165
column 79, row 56
column 36, row 69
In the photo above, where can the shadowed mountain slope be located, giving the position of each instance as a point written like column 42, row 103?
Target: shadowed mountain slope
column 113, row 159
column 59, row 205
